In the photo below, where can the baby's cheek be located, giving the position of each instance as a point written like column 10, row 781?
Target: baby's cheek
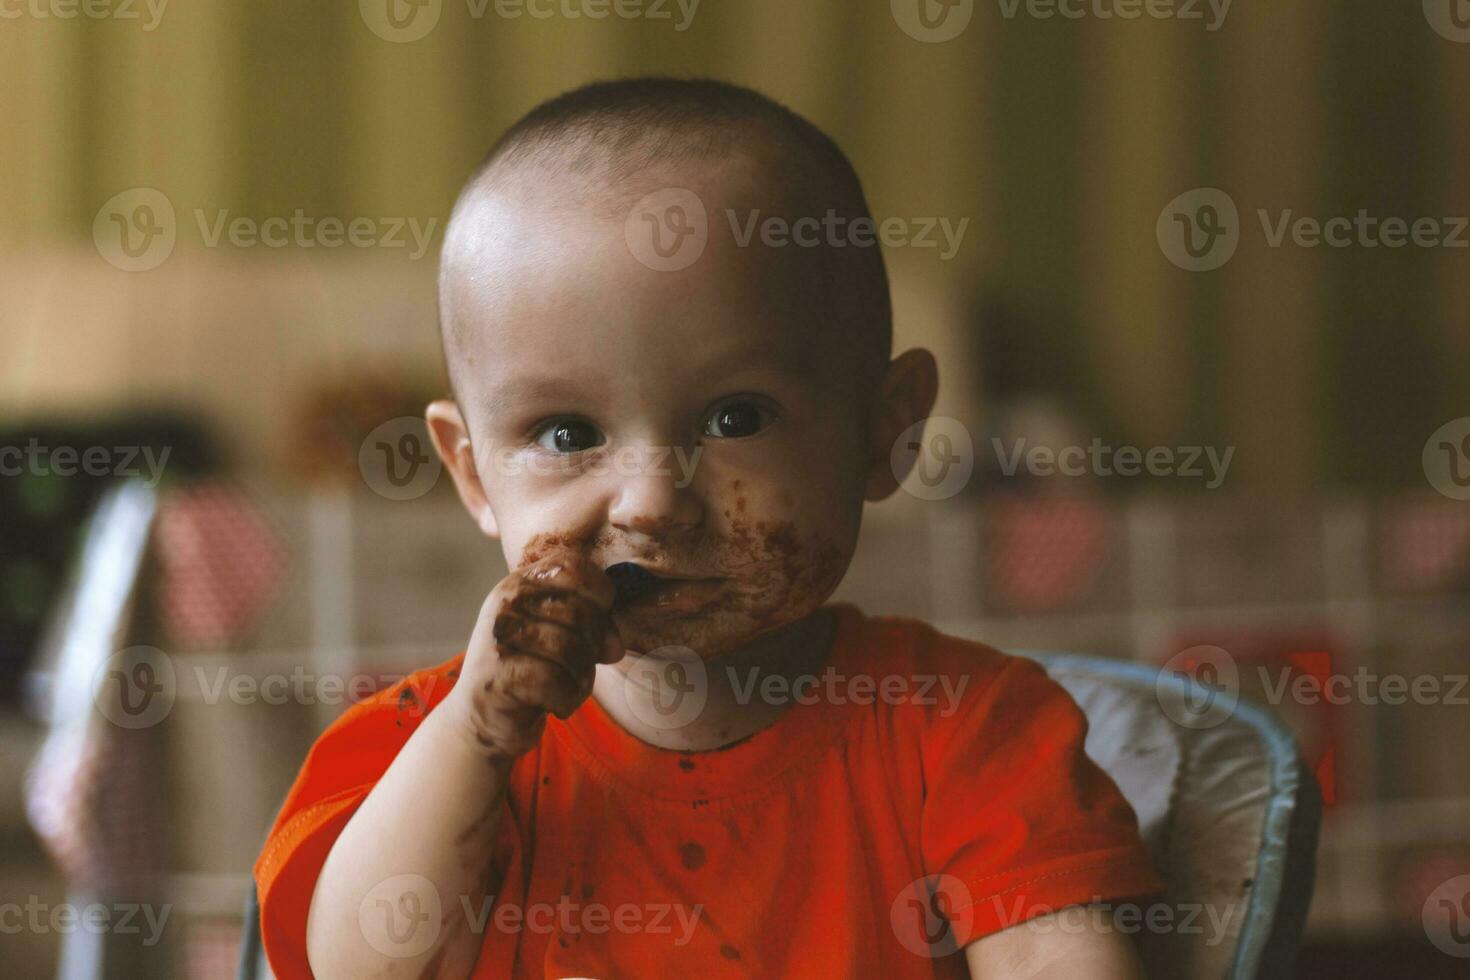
column 784, row 569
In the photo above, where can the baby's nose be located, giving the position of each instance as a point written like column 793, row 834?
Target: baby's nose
column 651, row 498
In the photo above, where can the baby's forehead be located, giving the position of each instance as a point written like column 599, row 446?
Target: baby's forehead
column 533, row 267
column 548, row 231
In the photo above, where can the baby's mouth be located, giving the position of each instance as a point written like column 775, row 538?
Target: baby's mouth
column 639, row 589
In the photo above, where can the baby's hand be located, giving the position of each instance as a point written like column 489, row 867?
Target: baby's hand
column 540, row 636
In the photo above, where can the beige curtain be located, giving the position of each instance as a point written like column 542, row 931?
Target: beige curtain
column 1060, row 140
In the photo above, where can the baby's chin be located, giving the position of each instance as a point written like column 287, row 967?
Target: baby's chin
column 709, row 633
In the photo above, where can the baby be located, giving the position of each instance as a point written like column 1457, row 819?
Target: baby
column 663, row 752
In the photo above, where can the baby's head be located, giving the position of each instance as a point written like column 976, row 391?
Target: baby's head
column 718, row 421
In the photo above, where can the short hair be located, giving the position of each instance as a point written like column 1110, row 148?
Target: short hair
column 600, row 137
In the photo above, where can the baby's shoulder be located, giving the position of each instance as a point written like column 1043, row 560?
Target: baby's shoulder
column 903, row 646
column 952, row 681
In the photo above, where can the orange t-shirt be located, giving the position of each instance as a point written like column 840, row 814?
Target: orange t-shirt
column 919, row 779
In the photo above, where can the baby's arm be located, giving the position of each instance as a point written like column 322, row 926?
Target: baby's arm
column 1046, row 949
column 434, row 813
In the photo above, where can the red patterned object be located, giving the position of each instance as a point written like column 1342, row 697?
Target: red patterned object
column 1421, row 878
column 1426, row 545
column 1046, row 552
column 221, row 564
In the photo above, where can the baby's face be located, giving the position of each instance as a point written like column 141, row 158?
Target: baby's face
column 694, row 422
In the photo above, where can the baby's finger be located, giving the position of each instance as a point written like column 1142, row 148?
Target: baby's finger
column 612, row 648
column 551, row 641
column 539, row 683
column 570, row 572
column 567, row 609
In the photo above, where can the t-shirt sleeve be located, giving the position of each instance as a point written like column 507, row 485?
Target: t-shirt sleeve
column 1014, row 810
column 342, row 767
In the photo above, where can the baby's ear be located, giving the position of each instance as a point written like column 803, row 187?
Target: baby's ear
column 452, row 441
column 905, row 396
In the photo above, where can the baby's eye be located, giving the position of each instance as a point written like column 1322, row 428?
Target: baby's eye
column 569, row 436
column 734, row 419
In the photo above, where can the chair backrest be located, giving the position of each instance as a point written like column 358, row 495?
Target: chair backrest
column 1228, row 810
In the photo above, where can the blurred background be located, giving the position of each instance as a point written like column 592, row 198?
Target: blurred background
column 219, row 227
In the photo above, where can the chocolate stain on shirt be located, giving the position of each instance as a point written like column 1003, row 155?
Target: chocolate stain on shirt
column 692, row 855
